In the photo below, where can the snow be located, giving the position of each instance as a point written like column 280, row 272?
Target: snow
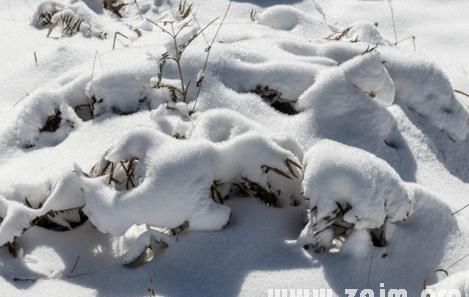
column 313, row 83
column 342, row 181
column 457, row 283
column 287, row 18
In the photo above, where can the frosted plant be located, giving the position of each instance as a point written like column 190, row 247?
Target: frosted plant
column 152, row 179
column 351, row 190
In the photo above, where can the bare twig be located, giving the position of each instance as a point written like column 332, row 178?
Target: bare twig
column 461, row 92
column 115, row 38
column 179, row 51
column 461, row 209
column 75, row 265
column 253, row 14
column 35, row 58
column 138, row 8
column 393, row 21
column 200, row 80
column 412, row 38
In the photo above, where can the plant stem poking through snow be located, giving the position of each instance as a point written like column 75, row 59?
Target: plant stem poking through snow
column 178, row 94
column 115, row 38
column 208, row 49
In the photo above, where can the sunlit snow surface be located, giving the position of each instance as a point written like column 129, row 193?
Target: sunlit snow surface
column 399, row 146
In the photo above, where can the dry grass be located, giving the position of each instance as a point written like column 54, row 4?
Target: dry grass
column 120, row 174
column 248, row 188
column 274, row 98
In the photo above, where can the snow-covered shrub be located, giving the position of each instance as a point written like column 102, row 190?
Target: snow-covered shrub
column 168, row 193
column 223, row 125
column 351, row 190
column 45, row 120
column 149, row 178
column 118, row 91
column 74, row 18
column 44, row 12
column 17, row 214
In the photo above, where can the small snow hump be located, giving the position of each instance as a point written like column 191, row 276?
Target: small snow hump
column 454, row 285
column 350, row 189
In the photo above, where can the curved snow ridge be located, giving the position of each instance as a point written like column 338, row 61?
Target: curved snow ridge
column 365, row 84
column 243, row 65
column 169, row 194
column 353, row 188
column 222, row 124
column 348, row 101
column 287, row 18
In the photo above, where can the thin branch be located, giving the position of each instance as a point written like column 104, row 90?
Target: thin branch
column 407, row 38
column 160, row 27
column 200, row 84
column 200, row 26
column 138, row 8
column 115, row 38
column 459, row 210
column 461, row 92
column 75, row 265
column 393, row 21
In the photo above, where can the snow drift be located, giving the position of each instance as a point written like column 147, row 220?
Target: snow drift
column 349, row 188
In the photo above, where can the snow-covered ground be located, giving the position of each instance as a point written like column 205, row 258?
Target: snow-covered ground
column 233, row 186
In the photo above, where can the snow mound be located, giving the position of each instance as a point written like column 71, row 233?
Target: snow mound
column 353, row 189
column 74, row 18
column 17, row 217
column 287, row 18
column 349, row 100
column 424, row 89
column 44, row 121
column 370, row 76
column 143, row 180
column 451, row 286
column 222, row 125
column 168, row 194
column 366, row 32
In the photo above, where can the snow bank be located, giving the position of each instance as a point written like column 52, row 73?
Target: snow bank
column 44, row 121
column 352, row 188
